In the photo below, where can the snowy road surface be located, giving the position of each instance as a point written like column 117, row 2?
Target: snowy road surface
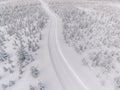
column 67, row 76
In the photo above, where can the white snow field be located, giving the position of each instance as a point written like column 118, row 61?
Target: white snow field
column 59, row 45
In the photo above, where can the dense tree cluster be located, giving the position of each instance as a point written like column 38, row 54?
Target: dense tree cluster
column 93, row 31
column 21, row 32
column 86, row 29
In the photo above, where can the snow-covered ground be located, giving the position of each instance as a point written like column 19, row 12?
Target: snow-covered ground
column 59, row 45
column 24, row 54
column 92, row 30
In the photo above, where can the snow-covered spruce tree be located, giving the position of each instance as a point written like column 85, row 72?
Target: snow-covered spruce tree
column 34, row 72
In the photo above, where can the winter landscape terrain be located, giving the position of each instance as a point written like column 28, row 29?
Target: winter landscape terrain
column 59, row 45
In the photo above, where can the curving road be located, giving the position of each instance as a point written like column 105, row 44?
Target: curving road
column 67, row 77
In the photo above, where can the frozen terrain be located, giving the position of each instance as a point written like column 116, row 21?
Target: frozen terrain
column 59, row 45
column 92, row 30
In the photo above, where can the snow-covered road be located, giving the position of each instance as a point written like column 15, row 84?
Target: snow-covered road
column 67, row 76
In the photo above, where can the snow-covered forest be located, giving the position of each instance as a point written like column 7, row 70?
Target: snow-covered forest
column 93, row 31
column 59, row 45
column 21, row 29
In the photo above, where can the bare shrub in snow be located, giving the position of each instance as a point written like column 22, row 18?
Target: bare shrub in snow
column 4, row 86
column 32, row 87
column 34, row 72
column 4, row 55
column 11, row 83
column 41, row 86
column 117, row 83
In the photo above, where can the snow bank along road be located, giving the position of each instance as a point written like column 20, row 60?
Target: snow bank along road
column 68, row 78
